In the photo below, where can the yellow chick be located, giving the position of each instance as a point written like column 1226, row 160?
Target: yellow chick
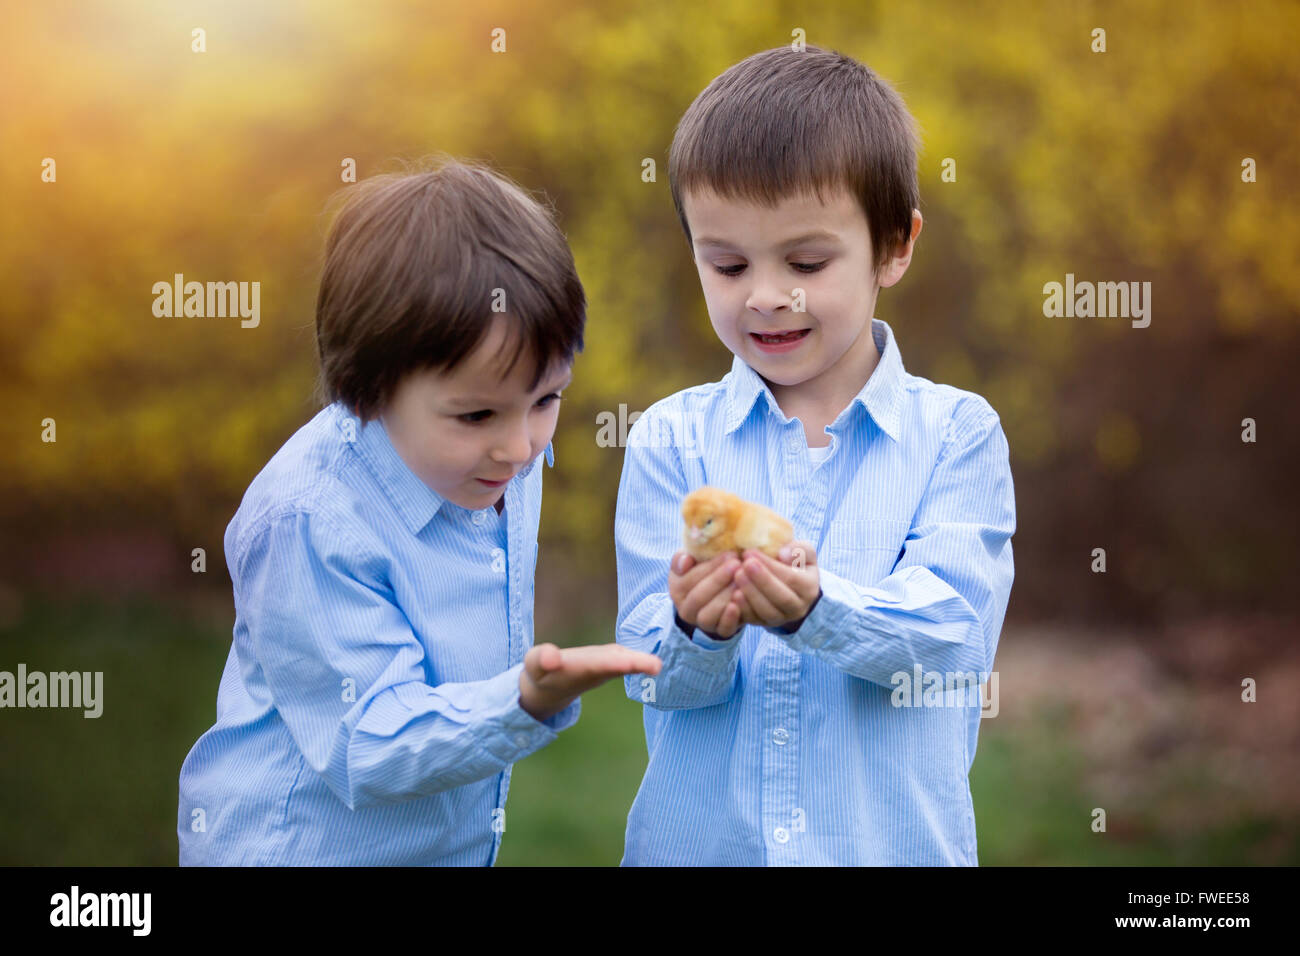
column 718, row 521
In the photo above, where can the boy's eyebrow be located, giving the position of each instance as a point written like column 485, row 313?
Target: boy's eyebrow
column 477, row 402
column 816, row 234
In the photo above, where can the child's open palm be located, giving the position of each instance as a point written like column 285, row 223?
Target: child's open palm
column 553, row 677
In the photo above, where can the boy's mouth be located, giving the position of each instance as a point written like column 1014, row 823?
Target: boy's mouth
column 779, row 341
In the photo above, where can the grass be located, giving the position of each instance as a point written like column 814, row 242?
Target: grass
column 77, row 791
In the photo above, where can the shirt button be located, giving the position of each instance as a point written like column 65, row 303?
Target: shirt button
column 793, row 443
column 780, row 835
column 521, row 740
column 480, row 517
column 780, row 736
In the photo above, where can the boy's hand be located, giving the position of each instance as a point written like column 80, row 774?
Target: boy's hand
column 778, row 593
column 553, row 677
column 701, row 593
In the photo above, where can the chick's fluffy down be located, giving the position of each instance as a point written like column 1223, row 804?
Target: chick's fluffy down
column 718, row 521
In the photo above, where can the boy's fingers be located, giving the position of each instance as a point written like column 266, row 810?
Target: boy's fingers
column 693, row 592
column 802, row 551
column 713, row 578
column 747, row 615
column 730, row 620
column 637, row 662
column 541, row 659
column 777, row 570
column 610, row 659
column 757, row 599
column 766, row 579
column 720, row 577
column 699, row 571
column 530, row 663
column 718, row 593
column 549, row 657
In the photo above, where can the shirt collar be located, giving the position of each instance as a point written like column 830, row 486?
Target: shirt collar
column 548, row 454
column 881, row 396
column 415, row 501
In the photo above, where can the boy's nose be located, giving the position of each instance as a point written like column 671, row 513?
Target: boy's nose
column 767, row 298
column 516, row 448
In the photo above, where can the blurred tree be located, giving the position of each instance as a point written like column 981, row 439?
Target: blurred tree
column 1120, row 166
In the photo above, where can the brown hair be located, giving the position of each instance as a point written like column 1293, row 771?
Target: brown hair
column 782, row 122
column 415, row 262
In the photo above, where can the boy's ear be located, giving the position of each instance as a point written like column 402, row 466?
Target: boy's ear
column 893, row 270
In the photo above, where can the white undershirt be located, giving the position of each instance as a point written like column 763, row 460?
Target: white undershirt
column 818, row 455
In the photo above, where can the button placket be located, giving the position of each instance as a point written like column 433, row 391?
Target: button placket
column 511, row 532
column 780, row 682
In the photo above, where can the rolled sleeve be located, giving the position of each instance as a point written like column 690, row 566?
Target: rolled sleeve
column 346, row 673
column 697, row 671
column 943, row 605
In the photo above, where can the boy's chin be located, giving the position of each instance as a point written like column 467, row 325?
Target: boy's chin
column 781, row 373
column 474, row 500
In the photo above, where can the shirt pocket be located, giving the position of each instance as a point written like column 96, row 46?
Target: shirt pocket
column 864, row 550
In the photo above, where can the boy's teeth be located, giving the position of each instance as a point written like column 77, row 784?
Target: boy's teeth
column 780, row 338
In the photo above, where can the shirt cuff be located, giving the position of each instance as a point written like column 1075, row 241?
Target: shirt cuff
column 565, row 718
column 829, row 619
column 696, row 648
column 697, row 636
column 510, row 733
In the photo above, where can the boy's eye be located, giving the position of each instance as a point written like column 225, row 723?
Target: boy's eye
column 473, row 418
column 807, row 268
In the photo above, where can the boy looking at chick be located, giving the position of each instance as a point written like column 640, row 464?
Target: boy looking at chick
column 382, row 678
column 773, row 730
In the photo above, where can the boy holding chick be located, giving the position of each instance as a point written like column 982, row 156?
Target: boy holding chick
column 773, row 730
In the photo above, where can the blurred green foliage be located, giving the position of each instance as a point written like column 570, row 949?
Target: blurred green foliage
column 103, row 792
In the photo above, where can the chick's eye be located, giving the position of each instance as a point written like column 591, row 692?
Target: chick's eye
column 709, row 522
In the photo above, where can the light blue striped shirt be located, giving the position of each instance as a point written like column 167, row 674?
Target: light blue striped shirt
column 788, row 749
column 369, row 709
